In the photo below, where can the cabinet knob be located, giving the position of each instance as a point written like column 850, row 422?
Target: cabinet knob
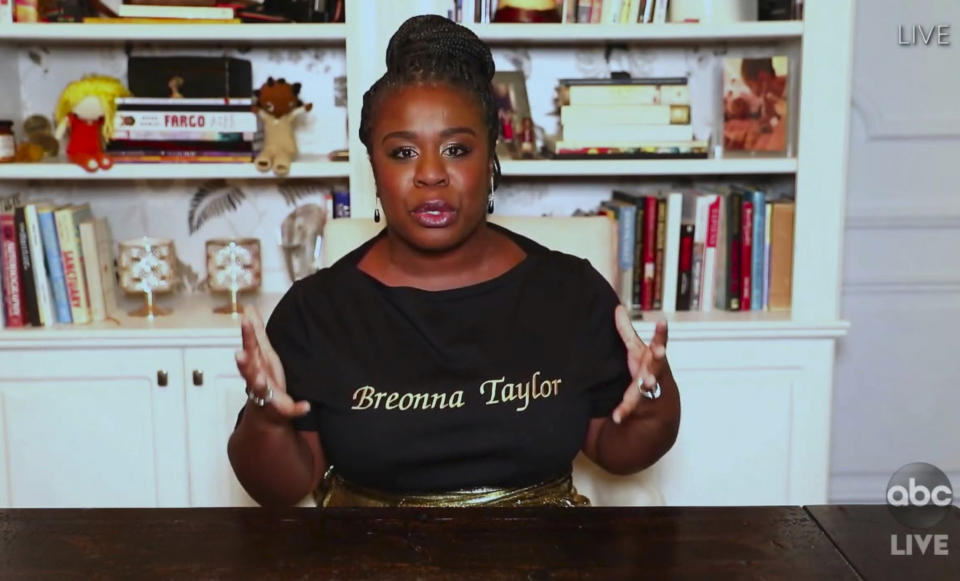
column 162, row 378
column 197, row 377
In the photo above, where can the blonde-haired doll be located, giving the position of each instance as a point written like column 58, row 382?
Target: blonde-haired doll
column 86, row 106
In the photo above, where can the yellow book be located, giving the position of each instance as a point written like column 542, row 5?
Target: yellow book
column 102, row 20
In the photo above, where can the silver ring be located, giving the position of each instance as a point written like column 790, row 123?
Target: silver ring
column 260, row 401
column 649, row 394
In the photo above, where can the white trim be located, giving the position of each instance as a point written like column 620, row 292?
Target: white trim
column 913, row 285
column 636, row 33
column 881, row 127
column 265, row 33
column 869, row 487
column 640, row 167
column 307, row 167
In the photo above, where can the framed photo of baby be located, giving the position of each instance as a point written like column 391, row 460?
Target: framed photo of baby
column 510, row 92
column 755, row 104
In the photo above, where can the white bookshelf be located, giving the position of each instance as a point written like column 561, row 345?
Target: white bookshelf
column 305, row 167
column 769, row 371
column 267, row 33
column 672, row 33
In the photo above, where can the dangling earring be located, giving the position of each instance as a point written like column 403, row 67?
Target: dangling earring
column 376, row 212
column 490, row 197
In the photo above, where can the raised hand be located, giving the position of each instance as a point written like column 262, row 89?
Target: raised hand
column 647, row 363
column 260, row 366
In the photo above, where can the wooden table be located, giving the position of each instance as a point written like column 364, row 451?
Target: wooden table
column 538, row 543
column 863, row 534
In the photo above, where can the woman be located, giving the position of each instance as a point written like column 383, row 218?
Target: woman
column 446, row 361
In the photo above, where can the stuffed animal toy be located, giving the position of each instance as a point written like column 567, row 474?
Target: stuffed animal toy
column 86, row 107
column 40, row 143
column 278, row 106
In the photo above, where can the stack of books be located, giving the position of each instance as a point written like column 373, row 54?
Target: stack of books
column 57, row 265
column 158, row 129
column 633, row 118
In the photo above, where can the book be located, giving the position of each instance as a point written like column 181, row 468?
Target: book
column 185, row 136
column 746, row 254
column 623, row 81
column 27, row 282
column 181, row 12
column 781, row 254
column 51, row 251
column 14, row 314
column 650, row 208
column 628, row 95
column 91, row 270
column 671, row 259
column 186, row 157
column 624, row 133
column 755, row 104
column 758, row 200
column 710, row 259
column 108, row 267
column 67, row 220
column 184, row 103
column 108, row 20
column 733, row 241
column 120, row 146
column 627, row 114
column 41, row 271
column 625, row 215
column 178, row 121
column 661, row 241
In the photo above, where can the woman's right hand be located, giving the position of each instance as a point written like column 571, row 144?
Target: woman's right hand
column 260, row 366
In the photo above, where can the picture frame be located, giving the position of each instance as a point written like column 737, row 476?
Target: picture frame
column 756, row 112
column 510, row 93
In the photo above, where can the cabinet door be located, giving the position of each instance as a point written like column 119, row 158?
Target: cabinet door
column 755, row 423
column 92, row 428
column 213, row 402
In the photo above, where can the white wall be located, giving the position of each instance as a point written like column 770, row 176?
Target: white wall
column 896, row 398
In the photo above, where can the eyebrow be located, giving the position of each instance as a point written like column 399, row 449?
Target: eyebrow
column 445, row 133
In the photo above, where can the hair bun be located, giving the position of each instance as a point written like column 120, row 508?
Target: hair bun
column 428, row 41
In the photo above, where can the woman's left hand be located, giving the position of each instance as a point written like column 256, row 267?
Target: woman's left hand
column 647, row 362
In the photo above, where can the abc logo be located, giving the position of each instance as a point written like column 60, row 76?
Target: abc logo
column 919, row 495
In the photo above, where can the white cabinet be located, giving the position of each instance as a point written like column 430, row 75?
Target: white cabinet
column 92, row 427
column 755, row 423
column 214, row 397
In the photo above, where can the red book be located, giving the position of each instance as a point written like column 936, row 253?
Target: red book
column 12, row 289
column 649, row 249
column 746, row 254
column 685, row 269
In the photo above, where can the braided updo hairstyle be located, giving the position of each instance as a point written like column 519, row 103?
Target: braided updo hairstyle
column 433, row 49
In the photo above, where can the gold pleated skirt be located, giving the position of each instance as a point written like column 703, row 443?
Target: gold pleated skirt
column 334, row 491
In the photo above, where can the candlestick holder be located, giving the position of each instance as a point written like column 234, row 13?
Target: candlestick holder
column 147, row 265
column 233, row 266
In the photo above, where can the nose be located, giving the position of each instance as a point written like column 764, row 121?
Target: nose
column 431, row 171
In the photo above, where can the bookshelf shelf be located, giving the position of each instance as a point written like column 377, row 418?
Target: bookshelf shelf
column 307, row 168
column 193, row 324
column 641, row 167
column 638, row 33
column 279, row 33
